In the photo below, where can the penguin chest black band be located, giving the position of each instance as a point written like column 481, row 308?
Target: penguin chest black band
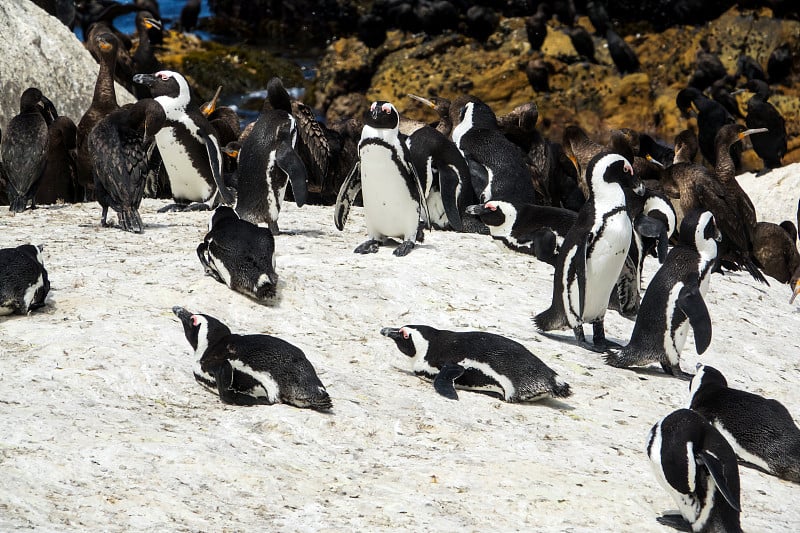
column 390, row 194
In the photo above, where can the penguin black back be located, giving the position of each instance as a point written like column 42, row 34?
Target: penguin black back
column 23, row 279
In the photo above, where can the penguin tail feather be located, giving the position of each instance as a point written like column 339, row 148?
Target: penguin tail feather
column 561, row 388
column 550, row 319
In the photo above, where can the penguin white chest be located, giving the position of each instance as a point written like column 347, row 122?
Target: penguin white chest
column 389, row 209
column 185, row 179
column 604, row 260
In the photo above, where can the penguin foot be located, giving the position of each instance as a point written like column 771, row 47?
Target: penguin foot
column 675, row 521
column 404, row 248
column 171, row 208
column 368, row 247
column 675, row 370
column 197, row 206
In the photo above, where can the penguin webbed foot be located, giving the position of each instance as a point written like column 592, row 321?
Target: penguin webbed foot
column 675, row 370
column 404, row 248
column 675, row 521
column 368, row 247
column 599, row 341
column 172, row 208
column 197, row 206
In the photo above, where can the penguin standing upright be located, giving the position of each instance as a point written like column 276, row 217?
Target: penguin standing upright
column 477, row 360
column 394, row 198
column 251, row 369
column 697, row 467
column 188, row 145
column 496, row 164
column 674, row 295
column 239, row 254
column 594, row 251
column 761, row 431
column 267, row 163
column 23, row 279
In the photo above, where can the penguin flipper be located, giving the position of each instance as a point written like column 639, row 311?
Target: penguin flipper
column 444, row 381
column 224, row 378
column 216, row 167
column 479, row 176
column 675, row 521
column 655, row 229
column 420, row 190
column 347, row 195
column 718, row 473
column 290, row 162
column 448, row 186
column 690, row 301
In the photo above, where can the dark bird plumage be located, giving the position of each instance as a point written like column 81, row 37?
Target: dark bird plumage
column 621, row 53
column 582, row 42
column 120, row 147
column 189, row 15
column 779, row 64
column 23, row 279
column 59, row 180
column 536, row 27
column 770, row 145
column 708, row 68
column 24, row 150
column 711, row 116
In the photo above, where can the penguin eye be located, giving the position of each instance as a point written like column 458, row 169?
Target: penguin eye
column 195, row 320
column 386, row 108
column 405, row 333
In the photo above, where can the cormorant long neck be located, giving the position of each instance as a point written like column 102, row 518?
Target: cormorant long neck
column 105, row 95
column 725, row 168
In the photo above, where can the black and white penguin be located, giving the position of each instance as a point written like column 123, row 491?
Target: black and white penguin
column 23, row 279
column 760, row 430
column 496, row 164
column 698, row 468
column 239, row 254
column 393, row 196
column 594, row 251
column 267, row 163
column 527, row 228
column 251, row 369
column 120, row 147
column 674, row 295
column 24, row 150
column 475, row 360
column 188, row 145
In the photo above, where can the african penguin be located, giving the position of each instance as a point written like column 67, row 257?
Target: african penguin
column 674, row 295
column 23, row 279
column 760, row 430
column 697, row 467
column 267, row 162
column 593, row 254
column 527, row 228
column 475, row 360
column 239, row 254
column 188, row 145
column 393, row 196
column 496, row 164
column 251, row 369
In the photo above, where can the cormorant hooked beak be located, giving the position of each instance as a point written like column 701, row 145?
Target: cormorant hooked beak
column 745, row 133
column 152, row 23
column 422, row 100
column 209, row 107
column 796, row 290
column 655, row 161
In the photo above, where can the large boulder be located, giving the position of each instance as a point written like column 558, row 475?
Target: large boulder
column 38, row 50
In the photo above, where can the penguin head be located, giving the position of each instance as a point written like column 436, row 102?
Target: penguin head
column 706, row 377
column 699, row 230
column 166, row 86
column 223, row 212
column 411, row 340
column 606, row 168
column 382, row 115
column 34, row 252
column 492, row 213
column 202, row 331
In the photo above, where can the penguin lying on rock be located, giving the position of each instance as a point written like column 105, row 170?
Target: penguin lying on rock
column 697, row 467
column 251, row 369
column 761, row 431
column 475, row 360
column 23, row 279
column 239, row 254
column 674, row 295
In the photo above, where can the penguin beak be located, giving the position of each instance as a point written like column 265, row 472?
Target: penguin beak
column 148, row 80
column 392, row 333
column 477, row 210
column 183, row 314
column 745, row 133
column 152, row 23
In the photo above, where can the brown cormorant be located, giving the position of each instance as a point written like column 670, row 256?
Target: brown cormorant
column 59, row 181
column 770, row 145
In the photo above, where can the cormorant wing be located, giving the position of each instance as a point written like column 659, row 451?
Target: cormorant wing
column 714, row 468
column 347, row 195
column 314, row 140
column 691, row 302
column 444, row 382
column 290, row 162
column 713, row 196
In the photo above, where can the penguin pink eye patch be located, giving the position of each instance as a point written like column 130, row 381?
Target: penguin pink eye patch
column 386, row 108
column 195, row 320
column 163, row 75
column 490, row 206
column 404, row 331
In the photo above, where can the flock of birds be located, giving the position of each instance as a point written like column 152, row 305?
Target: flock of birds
column 594, row 212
